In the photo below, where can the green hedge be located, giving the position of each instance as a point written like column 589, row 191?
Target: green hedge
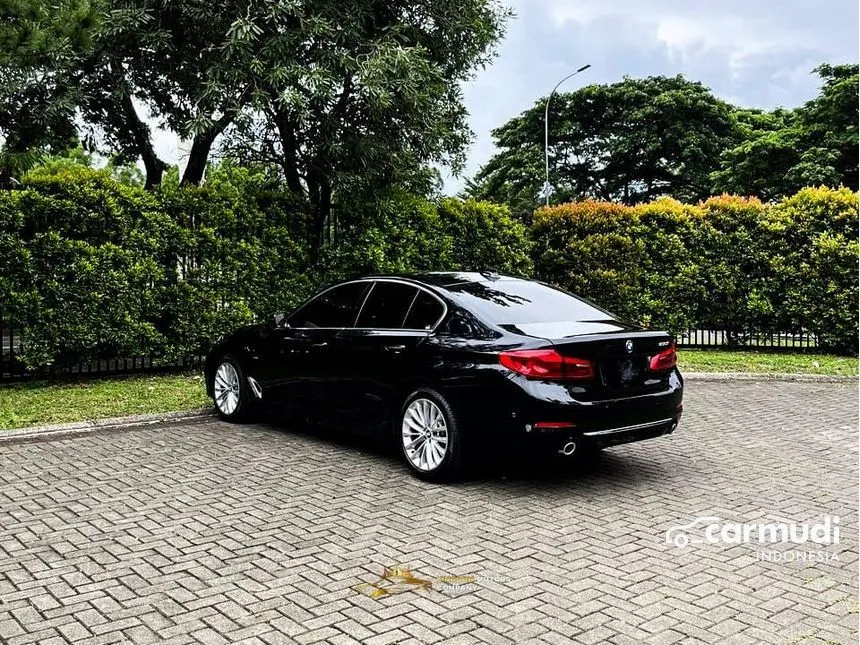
column 90, row 268
column 731, row 263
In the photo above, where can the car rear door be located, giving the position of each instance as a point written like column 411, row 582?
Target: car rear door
column 382, row 351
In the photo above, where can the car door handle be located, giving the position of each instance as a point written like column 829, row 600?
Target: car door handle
column 395, row 349
column 319, row 345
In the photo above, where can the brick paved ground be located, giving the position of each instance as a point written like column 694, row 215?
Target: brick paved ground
column 211, row 533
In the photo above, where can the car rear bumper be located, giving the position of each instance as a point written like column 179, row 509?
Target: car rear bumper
column 547, row 415
column 605, row 438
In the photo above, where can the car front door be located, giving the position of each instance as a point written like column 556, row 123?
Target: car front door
column 299, row 360
column 382, row 351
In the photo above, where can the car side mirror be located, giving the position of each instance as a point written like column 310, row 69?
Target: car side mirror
column 281, row 320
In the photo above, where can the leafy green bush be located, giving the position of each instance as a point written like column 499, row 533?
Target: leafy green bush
column 732, row 254
column 730, row 263
column 84, row 204
column 91, row 268
column 411, row 234
column 484, row 236
column 595, row 250
column 96, row 269
column 79, row 254
column 405, row 235
column 673, row 285
column 812, row 267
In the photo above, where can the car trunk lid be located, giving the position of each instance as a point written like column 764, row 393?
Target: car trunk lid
column 621, row 360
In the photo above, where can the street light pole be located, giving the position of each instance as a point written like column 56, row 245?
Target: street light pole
column 547, row 187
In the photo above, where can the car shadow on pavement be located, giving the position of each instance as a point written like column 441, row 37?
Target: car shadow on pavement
column 614, row 467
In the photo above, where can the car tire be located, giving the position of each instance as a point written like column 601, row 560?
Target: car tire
column 231, row 392
column 429, row 436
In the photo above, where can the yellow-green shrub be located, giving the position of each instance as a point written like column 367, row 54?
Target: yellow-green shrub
column 812, row 264
column 730, row 263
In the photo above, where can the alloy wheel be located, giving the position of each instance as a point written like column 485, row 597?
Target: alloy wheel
column 425, row 434
column 226, row 388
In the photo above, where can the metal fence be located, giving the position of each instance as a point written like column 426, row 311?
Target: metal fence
column 13, row 369
column 753, row 340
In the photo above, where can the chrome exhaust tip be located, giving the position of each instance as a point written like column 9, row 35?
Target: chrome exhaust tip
column 568, row 449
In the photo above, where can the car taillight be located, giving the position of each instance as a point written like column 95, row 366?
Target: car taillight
column 547, row 364
column 665, row 360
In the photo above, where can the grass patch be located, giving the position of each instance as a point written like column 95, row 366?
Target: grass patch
column 701, row 360
column 41, row 403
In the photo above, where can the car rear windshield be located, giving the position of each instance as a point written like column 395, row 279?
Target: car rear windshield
column 520, row 302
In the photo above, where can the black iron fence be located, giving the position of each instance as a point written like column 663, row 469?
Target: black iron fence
column 752, row 340
column 13, row 369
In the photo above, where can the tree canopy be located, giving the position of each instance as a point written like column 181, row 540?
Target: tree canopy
column 338, row 96
column 640, row 139
column 782, row 151
column 35, row 113
column 362, row 97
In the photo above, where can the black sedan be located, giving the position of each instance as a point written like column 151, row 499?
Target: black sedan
column 452, row 364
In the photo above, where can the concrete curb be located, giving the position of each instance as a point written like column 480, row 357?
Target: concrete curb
column 767, row 376
column 82, row 427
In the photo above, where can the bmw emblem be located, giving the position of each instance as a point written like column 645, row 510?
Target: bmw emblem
column 629, row 346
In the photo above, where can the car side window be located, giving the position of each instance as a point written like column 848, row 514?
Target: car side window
column 425, row 312
column 386, row 306
column 463, row 325
column 336, row 307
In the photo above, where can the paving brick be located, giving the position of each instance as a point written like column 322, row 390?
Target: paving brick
column 216, row 533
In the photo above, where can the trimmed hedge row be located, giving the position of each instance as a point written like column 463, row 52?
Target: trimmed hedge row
column 730, row 263
column 90, row 268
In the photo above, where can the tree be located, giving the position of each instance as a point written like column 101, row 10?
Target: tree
column 36, row 116
column 831, row 121
column 765, row 153
column 170, row 61
column 630, row 142
column 346, row 98
column 359, row 95
column 784, row 151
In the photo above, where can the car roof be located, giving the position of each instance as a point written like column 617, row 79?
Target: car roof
column 444, row 279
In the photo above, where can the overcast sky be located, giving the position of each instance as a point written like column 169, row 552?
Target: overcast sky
column 756, row 53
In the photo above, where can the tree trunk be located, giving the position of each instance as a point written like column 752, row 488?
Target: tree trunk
column 289, row 145
column 197, row 158
column 325, row 212
column 139, row 131
column 319, row 199
column 201, row 146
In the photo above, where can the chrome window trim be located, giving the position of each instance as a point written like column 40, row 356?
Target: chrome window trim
column 407, row 283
